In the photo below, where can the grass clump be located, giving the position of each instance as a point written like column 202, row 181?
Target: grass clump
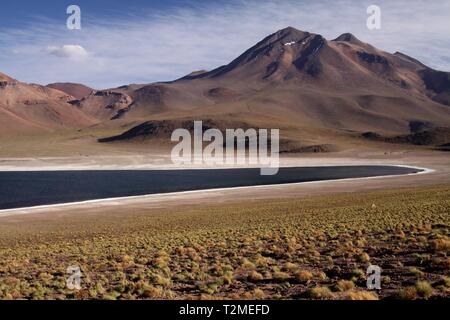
column 363, row 257
column 360, row 295
column 408, row 293
column 320, row 293
column 303, row 276
column 440, row 245
column 255, row 276
column 280, row 276
column 344, row 285
column 424, row 289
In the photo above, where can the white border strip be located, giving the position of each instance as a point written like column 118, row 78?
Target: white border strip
column 26, row 210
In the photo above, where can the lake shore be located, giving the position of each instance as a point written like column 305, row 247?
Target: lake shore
column 436, row 161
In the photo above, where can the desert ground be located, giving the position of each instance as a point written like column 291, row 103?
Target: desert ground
column 299, row 241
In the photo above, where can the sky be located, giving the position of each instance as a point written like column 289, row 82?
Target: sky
column 137, row 41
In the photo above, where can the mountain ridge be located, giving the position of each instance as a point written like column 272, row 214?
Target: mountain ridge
column 76, row 90
column 290, row 79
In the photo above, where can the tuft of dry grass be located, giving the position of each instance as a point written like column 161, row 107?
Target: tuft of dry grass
column 304, row 276
column 255, row 276
column 280, row 276
column 440, row 245
column 344, row 285
column 424, row 289
column 359, row 295
column 363, row 257
column 320, row 293
column 408, row 293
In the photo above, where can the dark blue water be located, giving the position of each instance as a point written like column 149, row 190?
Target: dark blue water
column 32, row 188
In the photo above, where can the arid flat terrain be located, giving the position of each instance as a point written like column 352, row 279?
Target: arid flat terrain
column 302, row 241
column 316, row 247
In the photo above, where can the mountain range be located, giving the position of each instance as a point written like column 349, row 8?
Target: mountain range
column 317, row 91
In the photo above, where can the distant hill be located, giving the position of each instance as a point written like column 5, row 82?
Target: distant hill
column 30, row 108
column 76, row 90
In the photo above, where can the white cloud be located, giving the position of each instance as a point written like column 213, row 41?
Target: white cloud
column 161, row 46
column 67, row 51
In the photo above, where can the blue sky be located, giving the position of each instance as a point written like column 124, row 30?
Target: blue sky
column 137, row 41
column 15, row 13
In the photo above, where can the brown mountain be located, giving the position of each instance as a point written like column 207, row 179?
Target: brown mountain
column 316, row 91
column 30, row 108
column 73, row 89
column 4, row 78
column 298, row 80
